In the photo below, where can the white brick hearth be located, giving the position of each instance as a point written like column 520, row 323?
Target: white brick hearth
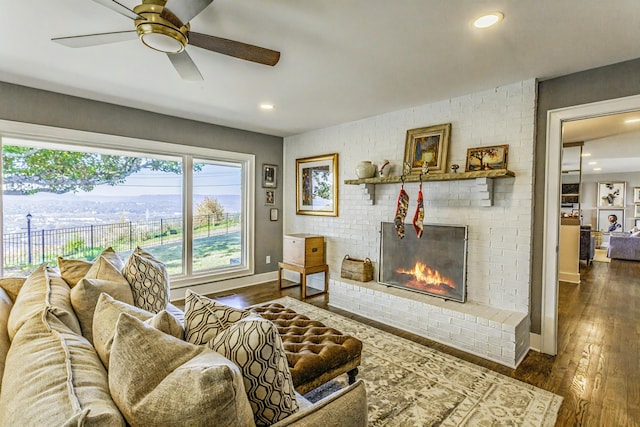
column 494, row 334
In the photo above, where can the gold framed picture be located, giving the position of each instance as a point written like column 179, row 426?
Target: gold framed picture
column 487, row 158
column 317, row 185
column 429, row 144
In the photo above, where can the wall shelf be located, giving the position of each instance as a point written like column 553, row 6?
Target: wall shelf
column 484, row 180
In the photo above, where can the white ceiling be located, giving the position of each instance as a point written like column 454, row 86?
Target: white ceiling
column 341, row 60
column 611, row 144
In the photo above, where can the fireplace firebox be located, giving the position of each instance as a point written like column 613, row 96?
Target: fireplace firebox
column 435, row 264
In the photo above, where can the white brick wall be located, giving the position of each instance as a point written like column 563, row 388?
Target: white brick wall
column 499, row 247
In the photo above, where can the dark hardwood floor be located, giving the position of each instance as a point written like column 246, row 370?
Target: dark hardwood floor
column 597, row 368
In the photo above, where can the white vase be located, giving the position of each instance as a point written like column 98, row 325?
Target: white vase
column 365, row 169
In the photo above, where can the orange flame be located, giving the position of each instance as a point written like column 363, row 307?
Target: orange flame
column 423, row 277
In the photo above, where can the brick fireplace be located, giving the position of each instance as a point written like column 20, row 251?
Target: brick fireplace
column 494, row 320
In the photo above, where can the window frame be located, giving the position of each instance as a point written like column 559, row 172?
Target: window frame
column 70, row 137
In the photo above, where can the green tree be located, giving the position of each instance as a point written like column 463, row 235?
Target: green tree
column 209, row 206
column 29, row 170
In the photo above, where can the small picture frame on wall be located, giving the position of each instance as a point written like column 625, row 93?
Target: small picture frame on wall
column 273, row 214
column 636, row 212
column 487, row 158
column 611, row 194
column 269, row 176
column 429, row 144
column 604, row 224
column 636, row 194
column 270, row 198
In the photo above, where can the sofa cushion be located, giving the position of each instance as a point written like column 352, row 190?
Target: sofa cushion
column 149, row 281
column 204, row 318
column 12, row 285
column 56, row 378
column 254, row 345
column 5, row 308
column 84, row 297
column 103, row 269
column 41, row 290
column 186, row 385
column 106, row 316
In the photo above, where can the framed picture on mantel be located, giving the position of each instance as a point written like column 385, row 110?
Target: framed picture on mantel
column 428, row 145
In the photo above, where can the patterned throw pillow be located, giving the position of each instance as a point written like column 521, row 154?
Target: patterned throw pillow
column 204, row 318
column 148, row 279
column 254, row 345
column 175, row 383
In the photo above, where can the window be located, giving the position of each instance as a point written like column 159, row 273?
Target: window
column 75, row 199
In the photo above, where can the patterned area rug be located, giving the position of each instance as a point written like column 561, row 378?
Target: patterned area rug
column 409, row 384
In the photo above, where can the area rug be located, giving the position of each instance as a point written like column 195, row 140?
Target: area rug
column 601, row 256
column 409, row 384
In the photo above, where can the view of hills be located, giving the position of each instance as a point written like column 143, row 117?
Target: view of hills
column 72, row 210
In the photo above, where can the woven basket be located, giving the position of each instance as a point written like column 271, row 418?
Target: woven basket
column 357, row 269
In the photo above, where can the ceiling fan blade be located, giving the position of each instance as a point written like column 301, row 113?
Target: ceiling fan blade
column 96, row 39
column 185, row 66
column 236, row 49
column 186, row 10
column 119, row 8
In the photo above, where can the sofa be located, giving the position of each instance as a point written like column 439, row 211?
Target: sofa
column 624, row 246
column 98, row 343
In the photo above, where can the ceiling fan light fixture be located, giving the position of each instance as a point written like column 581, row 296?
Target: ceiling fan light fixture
column 166, row 40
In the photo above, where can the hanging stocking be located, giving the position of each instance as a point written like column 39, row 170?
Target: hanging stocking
column 401, row 212
column 419, row 216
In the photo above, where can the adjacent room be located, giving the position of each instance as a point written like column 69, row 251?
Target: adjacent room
column 320, row 214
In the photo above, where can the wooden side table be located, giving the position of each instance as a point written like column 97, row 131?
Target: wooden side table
column 304, row 271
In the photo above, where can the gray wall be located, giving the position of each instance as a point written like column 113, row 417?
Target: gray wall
column 28, row 105
column 599, row 84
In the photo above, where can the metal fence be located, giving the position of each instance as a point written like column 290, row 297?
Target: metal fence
column 33, row 247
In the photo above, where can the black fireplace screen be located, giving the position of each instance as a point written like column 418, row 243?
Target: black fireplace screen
column 435, row 264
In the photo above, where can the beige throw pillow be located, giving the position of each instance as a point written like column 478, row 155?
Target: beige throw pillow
column 175, row 383
column 56, row 378
column 204, row 318
column 39, row 291
column 12, row 286
column 106, row 316
column 254, row 345
column 149, row 280
column 73, row 270
column 5, row 308
column 84, row 297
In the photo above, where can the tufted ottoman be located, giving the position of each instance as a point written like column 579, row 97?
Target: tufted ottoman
column 315, row 352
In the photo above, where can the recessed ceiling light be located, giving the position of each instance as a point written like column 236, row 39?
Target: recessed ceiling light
column 593, row 163
column 586, row 154
column 597, row 169
column 632, row 121
column 488, row 20
column 266, row 106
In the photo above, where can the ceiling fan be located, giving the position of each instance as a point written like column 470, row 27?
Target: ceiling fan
column 168, row 30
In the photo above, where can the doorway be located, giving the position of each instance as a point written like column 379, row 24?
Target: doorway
column 556, row 118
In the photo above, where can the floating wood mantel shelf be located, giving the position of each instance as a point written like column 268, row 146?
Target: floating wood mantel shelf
column 484, row 180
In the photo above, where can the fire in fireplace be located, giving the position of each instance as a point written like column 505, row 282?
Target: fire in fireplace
column 434, row 264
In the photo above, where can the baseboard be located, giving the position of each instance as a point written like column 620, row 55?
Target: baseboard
column 224, row 285
column 535, row 342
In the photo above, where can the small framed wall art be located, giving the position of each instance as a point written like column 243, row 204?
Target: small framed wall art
column 611, row 194
column 636, row 194
column 429, row 144
column 487, row 158
column 270, row 198
column 269, row 176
